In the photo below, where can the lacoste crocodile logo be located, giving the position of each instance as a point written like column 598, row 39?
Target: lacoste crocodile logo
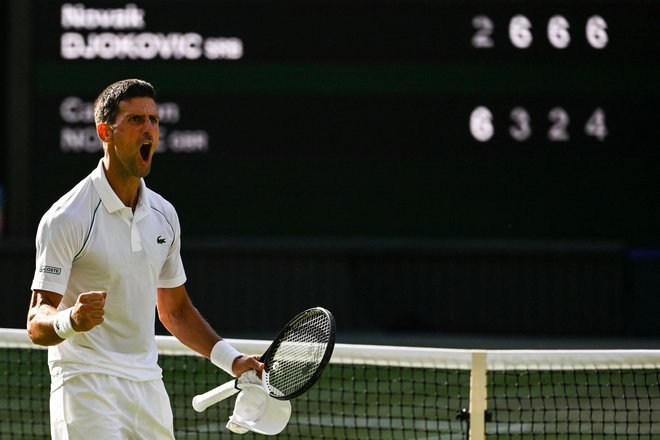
column 160, row 240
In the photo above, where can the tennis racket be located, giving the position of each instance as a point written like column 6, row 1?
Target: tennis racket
column 292, row 363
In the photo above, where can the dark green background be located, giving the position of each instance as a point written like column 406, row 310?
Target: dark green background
column 351, row 119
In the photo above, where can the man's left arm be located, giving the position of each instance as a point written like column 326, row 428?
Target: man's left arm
column 182, row 319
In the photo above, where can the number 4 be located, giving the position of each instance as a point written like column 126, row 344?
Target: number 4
column 595, row 126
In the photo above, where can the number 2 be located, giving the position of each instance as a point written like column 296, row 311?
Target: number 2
column 482, row 38
column 560, row 120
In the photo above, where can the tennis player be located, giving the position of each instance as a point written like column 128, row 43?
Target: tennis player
column 107, row 257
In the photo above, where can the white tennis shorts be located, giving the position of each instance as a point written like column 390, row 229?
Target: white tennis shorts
column 100, row 407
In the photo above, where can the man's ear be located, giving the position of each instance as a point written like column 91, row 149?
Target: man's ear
column 104, row 132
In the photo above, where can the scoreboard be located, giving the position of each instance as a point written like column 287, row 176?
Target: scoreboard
column 388, row 118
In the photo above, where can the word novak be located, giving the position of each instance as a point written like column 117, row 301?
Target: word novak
column 135, row 45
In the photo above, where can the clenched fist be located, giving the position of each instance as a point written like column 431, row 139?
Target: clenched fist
column 88, row 311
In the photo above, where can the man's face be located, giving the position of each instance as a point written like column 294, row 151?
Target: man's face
column 134, row 136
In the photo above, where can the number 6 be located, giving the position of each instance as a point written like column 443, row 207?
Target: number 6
column 519, row 31
column 481, row 124
column 597, row 32
column 558, row 32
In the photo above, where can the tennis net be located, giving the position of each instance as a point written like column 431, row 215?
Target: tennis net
column 383, row 392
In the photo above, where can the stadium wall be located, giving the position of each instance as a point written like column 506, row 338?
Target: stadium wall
column 248, row 287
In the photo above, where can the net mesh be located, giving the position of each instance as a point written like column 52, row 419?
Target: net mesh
column 611, row 403
column 381, row 392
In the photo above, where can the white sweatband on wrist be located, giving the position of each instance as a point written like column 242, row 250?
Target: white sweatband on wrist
column 223, row 356
column 63, row 325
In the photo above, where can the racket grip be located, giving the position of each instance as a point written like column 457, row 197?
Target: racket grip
column 224, row 391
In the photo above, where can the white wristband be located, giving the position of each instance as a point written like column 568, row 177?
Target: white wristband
column 223, row 355
column 63, row 325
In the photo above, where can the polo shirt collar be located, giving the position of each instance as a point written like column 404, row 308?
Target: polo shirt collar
column 110, row 200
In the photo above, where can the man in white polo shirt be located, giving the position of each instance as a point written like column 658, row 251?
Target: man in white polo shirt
column 108, row 257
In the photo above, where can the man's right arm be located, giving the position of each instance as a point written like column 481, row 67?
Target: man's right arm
column 86, row 314
column 41, row 317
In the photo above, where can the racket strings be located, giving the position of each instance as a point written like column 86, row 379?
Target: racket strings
column 299, row 355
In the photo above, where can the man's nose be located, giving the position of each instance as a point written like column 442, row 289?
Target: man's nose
column 149, row 125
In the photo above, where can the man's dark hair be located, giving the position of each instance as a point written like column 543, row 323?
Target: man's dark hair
column 106, row 105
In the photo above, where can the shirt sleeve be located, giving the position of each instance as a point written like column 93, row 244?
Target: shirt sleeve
column 56, row 242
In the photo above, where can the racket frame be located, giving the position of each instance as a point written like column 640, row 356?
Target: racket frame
column 228, row 389
column 278, row 341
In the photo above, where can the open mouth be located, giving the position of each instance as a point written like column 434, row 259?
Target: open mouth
column 145, row 151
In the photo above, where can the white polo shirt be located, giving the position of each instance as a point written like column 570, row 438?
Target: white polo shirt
column 88, row 240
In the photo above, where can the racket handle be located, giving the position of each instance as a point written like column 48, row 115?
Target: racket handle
column 224, row 391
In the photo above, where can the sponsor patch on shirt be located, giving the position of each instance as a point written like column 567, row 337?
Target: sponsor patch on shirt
column 50, row 269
